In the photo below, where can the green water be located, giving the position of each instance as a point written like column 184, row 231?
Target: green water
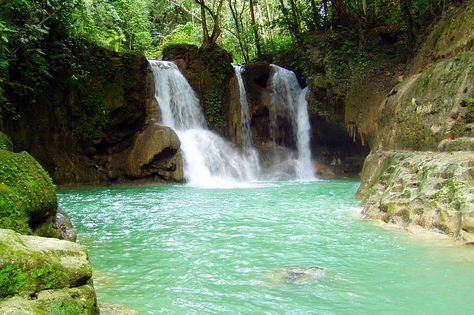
column 182, row 250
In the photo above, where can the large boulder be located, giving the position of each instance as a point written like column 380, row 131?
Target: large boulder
column 155, row 152
column 28, row 201
column 44, row 276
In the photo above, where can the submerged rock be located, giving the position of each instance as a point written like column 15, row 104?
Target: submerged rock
column 115, row 309
column 299, row 275
column 44, row 276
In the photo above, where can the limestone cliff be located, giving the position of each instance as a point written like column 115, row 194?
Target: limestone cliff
column 421, row 167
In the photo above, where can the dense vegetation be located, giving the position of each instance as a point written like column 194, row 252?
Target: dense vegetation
column 249, row 30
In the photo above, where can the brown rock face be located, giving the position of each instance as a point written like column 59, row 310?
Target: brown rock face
column 82, row 128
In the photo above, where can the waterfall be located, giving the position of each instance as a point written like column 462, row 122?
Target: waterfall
column 209, row 160
column 289, row 100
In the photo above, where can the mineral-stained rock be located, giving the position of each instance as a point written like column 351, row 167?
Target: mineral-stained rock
column 44, row 276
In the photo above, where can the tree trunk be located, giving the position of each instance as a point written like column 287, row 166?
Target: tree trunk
column 239, row 33
column 339, row 12
column 255, row 30
column 315, row 13
column 409, row 21
column 205, row 32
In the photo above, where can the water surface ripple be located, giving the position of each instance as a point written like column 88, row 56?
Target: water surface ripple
column 183, row 250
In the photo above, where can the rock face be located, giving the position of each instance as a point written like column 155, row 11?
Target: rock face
column 44, row 276
column 85, row 120
column 209, row 71
column 431, row 114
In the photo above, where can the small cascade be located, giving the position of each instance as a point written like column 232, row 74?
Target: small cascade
column 245, row 114
column 209, row 160
column 289, row 101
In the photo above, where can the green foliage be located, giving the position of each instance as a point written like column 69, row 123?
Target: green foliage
column 5, row 142
column 181, row 34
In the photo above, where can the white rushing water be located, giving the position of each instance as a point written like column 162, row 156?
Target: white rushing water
column 289, row 100
column 209, row 160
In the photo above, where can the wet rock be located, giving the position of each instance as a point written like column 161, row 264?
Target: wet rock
column 63, row 224
column 155, row 152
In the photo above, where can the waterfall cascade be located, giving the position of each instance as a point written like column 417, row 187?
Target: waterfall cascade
column 211, row 161
column 289, row 100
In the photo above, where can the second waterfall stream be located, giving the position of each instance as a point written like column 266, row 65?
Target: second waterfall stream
column 210, row 160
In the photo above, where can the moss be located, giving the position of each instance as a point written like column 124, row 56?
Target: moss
column 63, row 307
column 15, row 278
column 27, row 195
column 5, row 142
column 12, row 280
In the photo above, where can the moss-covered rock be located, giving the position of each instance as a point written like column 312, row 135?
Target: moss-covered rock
column 429, row 107
column 27, row 196
column 68, row 301
column 5, row 142
column 29, row 264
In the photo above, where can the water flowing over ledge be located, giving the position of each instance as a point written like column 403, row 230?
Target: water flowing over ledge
column 210, row 160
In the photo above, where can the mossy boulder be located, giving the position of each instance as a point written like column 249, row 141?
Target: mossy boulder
column 29, row 264
column 5, row 142
column 28, row 201
column 44, row 276
column 67, row 301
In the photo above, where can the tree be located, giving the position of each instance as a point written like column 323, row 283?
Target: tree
column 215, row 13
